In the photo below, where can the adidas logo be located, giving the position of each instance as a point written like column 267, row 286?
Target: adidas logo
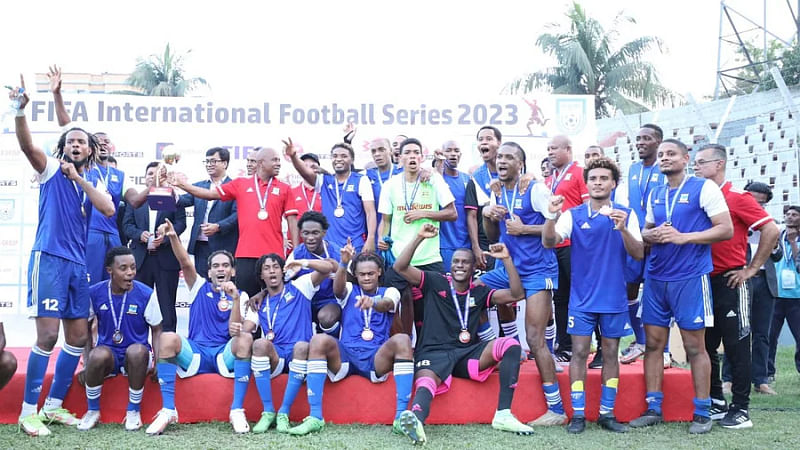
column 249, row 190
column 161, row 381
column 37, row 389
column 627, row 326
column 244, row 379
column 576, row 396
column 310, row 393
column 104, row 307
column 698, row 319
column 730, row 314
column 585, row 226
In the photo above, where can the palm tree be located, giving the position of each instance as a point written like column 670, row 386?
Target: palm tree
column 619, row 79
column 164, row 76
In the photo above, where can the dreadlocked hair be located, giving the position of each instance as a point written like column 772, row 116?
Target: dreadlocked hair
column 364, row 257
column 94, row 146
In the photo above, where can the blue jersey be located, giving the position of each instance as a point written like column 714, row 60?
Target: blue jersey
column 377, row 179
column 209, row 314
column 325, row 289
column 641, row 181
column 354, row 319
column 140, row 312
column 483, row 179
column 527, row 252
column 352, row 193
column 63, row 228
column 598, row 259
column 453, row 235
column 698, row 200
column 288, row 313
column 114, row 181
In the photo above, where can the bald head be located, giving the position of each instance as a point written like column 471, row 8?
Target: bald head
column 559, row 150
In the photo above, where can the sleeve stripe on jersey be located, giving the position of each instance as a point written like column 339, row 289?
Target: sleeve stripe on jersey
column 489, row 298
column 760, row 222
column 421, row 279
column 470, row 207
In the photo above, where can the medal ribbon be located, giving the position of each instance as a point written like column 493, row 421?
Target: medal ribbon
column 367, row 312
column 463, row 318
column 557, row 179
column 271, row 323
column 510, row 206
column 336, row 185
column 117, row 323
column 380, row 179
column 670, row 207
column 642, row 192
column 408, row 203
column 313, row 198
column 262, row 201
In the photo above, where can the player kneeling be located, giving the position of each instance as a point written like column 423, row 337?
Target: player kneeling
column 448, row 344
column 126, row 310
column 365, row 347
column 284, row 312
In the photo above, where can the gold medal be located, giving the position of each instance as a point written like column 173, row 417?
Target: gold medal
column 367, row 334
column 464, row 337
column 262, row 214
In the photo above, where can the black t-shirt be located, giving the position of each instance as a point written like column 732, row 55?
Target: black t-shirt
column 471, row 201
column 440, row 325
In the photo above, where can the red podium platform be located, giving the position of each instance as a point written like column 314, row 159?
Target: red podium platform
column 208, row 397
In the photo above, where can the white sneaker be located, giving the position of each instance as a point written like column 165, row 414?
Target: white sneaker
column 89, row 420
column 162, row 419
column 667, row 360
column 133, row 420
column 632, row 353
column 239, row 421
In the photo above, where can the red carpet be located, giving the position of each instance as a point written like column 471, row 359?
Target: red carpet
column 355, row 400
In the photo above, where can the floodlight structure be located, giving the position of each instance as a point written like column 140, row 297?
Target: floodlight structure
column 736, row 28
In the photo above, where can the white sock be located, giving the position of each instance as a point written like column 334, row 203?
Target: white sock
column 52, row 403
column 27, row 410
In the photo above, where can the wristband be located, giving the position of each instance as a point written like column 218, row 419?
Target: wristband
column 305, row 264
column 549, row 216
column 20, row 113
column 343, row 265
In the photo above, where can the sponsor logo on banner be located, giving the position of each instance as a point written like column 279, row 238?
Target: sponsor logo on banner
column 7, row 209
column 571, row 114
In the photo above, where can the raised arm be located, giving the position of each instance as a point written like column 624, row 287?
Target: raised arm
column 347, row 254
column 291, row 151
column 54, row 77
column 35, row 155
column 179, row 180
column 402, row 265
column 189, row 272
column 321, row 268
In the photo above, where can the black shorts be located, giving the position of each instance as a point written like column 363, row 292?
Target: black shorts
column 461, row 362
column 395, row 280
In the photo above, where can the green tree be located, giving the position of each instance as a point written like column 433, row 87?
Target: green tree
column 164, row 76
column 749, row 78
column 587, row 63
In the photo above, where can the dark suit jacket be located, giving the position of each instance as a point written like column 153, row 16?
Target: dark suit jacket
column 222, row 213
column 137, row 221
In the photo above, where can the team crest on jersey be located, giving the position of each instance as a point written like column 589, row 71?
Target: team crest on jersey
column 518, row 203
column 133, row 309
column 350, row 188
column 472, row 302
column 654, row 177
column 276, row 191
column 684, row 198
column 114, row 178
column 567, row 177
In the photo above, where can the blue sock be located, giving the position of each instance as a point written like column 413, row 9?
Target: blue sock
column 241, row 379
column 262, row 372
column 553, row 398
column 135, row 399
column 37, row 366
column 315, row 381
column 550, row 335
column 297, row 373
column 403, row 380
column 608, row 396
column 333, row 331
column 67, row 361
column 486, row 332
column 701, row 406
column 166, row 378
column 510, row 329
column 578, row 399
column 93, row 397
column 654, row 400
column 636, row 323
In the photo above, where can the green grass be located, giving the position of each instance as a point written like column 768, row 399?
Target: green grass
column 775, row 419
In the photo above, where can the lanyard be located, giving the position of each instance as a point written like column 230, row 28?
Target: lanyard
column 262, row 201
column 642, row 192
column 271, row 323
column 325, row 247
column 513, row 200
column 670, row 207
column 378, row 171
column 557, row 179
column 104, row 178
column 592, row 215
column 463, row 318
column 367, row 312
column 344, row 184
column 410, row 203
column 305, row 196
column 81, row 198
column 117, row 323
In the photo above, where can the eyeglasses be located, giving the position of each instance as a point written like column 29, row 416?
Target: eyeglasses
column 700, row 162
column 211, row 162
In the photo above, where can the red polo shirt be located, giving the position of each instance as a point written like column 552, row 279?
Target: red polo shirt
column 746, row 214
column 259, row 237
column 571, row 186
column 301, row 201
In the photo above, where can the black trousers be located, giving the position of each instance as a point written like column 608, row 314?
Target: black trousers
column 201, row 252
column 246, row 277
column 561, row 299
column 731, row 311
column 166, row 286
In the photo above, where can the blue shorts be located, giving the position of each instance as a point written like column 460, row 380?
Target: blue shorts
column 119, row 361
column 634, row 269
column 284, row 356
column 612, row 325
column 57, row 287
column 688, row 301
column 447, row 258
column 316, row 305
column 358, row 361
column 100, row 242
column 498, row 279
column 195, row 359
